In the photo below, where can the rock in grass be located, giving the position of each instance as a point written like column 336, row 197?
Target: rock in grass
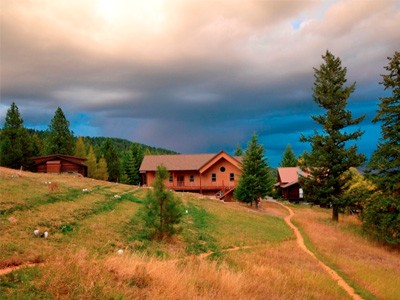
column 120, row 252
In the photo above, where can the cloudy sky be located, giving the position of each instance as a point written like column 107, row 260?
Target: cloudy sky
column 193, row 76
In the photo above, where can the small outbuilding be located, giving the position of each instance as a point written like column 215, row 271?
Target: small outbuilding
column 288, row 183
column 59, row 163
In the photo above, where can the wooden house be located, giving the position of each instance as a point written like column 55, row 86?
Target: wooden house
column 288, row 183
column 210, row 174
column 58, row 163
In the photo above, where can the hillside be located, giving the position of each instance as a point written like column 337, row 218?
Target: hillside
column 225, row 250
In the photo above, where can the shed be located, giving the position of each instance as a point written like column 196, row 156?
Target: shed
column 59, row 163
column 288, row 183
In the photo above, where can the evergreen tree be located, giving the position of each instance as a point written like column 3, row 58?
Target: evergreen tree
column 102, row 169
column 288, row 158
column 113, row 161
column 255, row 182
column 80, row 148
column 130, row 168
column 138, row 155
column 386, row 159
column 162, row 210
column 238, row 151
column 381, row 214
column 15, row 144
column 330, row 159
column 92, row 163
column 60, row 139
column 13, row 118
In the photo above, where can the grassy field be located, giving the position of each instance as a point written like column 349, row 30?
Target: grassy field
column 86, row 229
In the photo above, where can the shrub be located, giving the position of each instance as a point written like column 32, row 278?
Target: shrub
column 381, row 218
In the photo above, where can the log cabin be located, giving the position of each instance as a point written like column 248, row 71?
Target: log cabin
column 58, row 163
column 208, row 174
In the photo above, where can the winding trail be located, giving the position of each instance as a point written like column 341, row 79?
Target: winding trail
column 300, row 241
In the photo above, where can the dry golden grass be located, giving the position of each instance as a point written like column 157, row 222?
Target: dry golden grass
column 371, row 266
column 258, row 273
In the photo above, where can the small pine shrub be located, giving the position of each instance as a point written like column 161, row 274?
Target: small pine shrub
column 162, row 210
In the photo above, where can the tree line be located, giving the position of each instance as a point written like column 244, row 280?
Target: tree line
column 112, row 159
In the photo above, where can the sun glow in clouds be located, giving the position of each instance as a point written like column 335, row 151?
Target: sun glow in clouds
column 146, row 14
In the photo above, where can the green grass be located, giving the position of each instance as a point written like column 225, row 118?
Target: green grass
column 198, row 228
column 21, row 285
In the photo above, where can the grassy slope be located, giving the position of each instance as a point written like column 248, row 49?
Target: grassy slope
column 86, row 229
column 373, row 270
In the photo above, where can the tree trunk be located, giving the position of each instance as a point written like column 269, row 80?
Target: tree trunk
column 335, row 213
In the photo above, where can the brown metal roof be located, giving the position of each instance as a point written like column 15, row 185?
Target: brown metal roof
column 177, row 162
column 289, row 174
column 73, row 159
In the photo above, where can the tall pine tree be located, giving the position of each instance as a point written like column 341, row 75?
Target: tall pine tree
column 386, row 159
column 15, row 145
column 256, row 181
column 381, row 214
column 60, row 139
column 329, row 158
column 288, row 158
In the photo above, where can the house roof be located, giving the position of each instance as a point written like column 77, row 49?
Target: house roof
column 288, row 174
column 179, row 162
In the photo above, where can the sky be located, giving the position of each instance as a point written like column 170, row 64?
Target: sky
column 192, row 76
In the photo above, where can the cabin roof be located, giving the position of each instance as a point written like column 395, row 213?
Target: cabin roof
column 73, row 159
column 179, row 162
column 288, row 174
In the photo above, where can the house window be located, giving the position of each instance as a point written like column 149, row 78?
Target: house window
column 232, row 177
column 170, row 178
column 222, row 169
column 213, row 177
column 191, row 178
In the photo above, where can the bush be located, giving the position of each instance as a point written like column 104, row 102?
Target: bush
column 381, row 218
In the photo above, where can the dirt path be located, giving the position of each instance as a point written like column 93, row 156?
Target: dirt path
column 300, row 241
column 13, row 268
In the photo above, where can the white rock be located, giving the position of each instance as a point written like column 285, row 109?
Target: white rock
column 36, row 232
column 120, row 252
column 46, row 235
